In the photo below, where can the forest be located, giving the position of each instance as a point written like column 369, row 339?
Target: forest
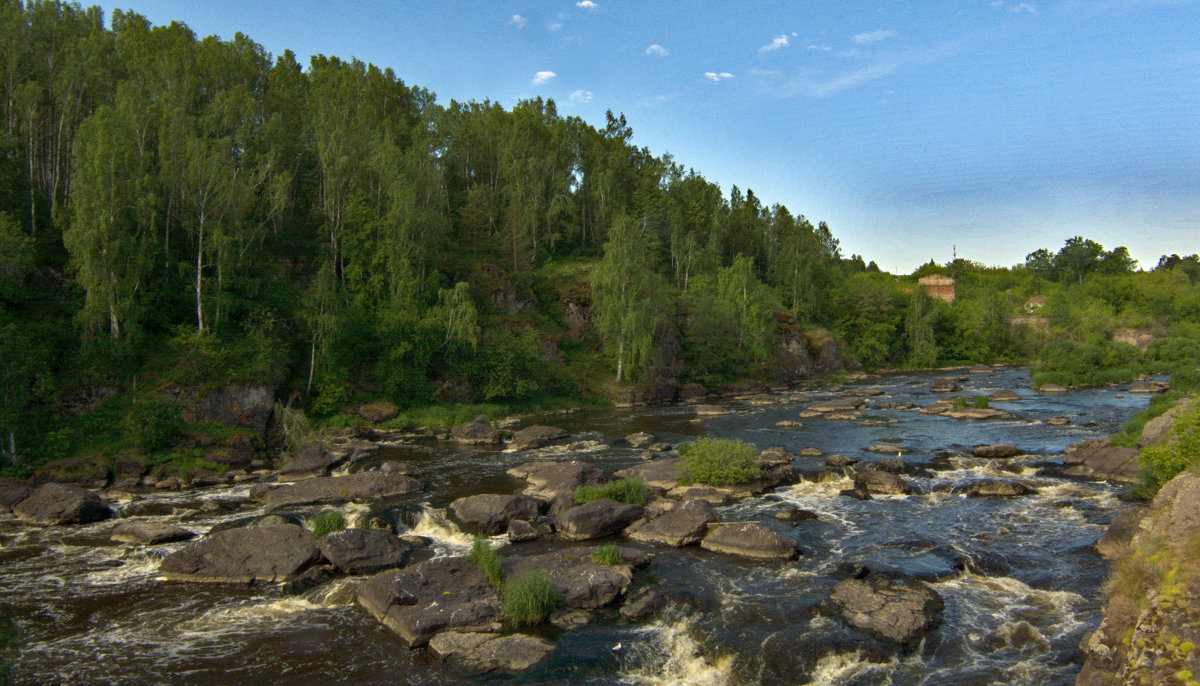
column 185, row 211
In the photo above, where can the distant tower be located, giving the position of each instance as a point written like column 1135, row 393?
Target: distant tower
column 954, row 251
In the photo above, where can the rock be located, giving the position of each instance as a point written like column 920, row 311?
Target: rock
column 857, row 493
column 1116, row 539
column 838, row 406
column 1098, row 459
column 13, row 491
column 789, row 424
column 1003, row 396
column 1158, row 430
column 885, row 449
column 640, row 439
column 943, row 384
column 899, row 610
column 475, row 432
column 996, row 451
column 1051, row 388
column 993, row 488
column 359, row 487
column 1145, row 386
column 508, row 423
column 655, row 474
column 480, row 653
column 691, row 392
column 710, row 410
column 791, row 513
column 379, row 411
column 980, row 369
column 535, row 437
column 753, row 541
column 548, row 480
column 56, row 504
column 490, row 514
column 579, row 582
column 569, row 618
column 597, row 519
column 684, row 525
column 840, row 461
column 246, row 406
column 421, row 601
column 975, row 413
column 879, row 482
column 774, row 457
column 149, row 533
column 641, row 604
column 659, row 447
column 1058, row 421
column 244, row 555
column 810, row 452
column 310, row 461
column 364, row 551
column 308, row 579
column 763, row 399
column 1174, row 514
column 521, row 531
column 717, row 495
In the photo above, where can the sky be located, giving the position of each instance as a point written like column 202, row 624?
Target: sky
column 918, row 130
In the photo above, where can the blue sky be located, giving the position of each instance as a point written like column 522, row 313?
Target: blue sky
column 911, row 127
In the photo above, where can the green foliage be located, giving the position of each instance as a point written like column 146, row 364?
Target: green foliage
column 980, row 402
column 327, row 522
column 625, row 292
column 607, row 554
column 153, row 425
column 488, row 560
column 508, row 367
column 717, row 461
column 1132, row 429
column 631, row 491
column 1068, row 363
column 528, row 598
column 1160, row 463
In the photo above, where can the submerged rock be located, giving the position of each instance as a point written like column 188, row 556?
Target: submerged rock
column 442, row 594
column 480, row 653
column 896, row 610
column 244, row 555
column 56, row 504
column 754, row 541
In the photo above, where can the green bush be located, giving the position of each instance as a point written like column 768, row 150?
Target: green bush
column 488, row 560
column 1132, row 429
column 153, row 425
column 1160, row 463
column 327, row 522
column 529, row 598
column 631, row 491
column 981, row 402
column 607, row 554
column 1185, row 380
column 960, row 403
column 717, row 462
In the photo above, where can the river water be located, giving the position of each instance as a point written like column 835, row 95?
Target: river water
column 1019, row 576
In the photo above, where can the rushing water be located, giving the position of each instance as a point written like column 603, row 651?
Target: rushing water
column 1019, row 577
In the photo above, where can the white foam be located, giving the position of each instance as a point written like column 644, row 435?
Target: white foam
column 671, row 655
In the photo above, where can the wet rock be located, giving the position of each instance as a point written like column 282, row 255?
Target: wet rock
column 763, row 399
column 310, row 461
column 660, row 474
column 640, row 439
column 1099, row 459
column 548, row 480
column 520, row 531
column 838, row 406
column 379, row 411
column 840, row 461
column 1058, row 421
column 684, row 525
column 1145, row 386
column 789, row 424
column 475, row 432
column 879, row 482
column 716, row 495
column 1003, row 396
column 309, row 579
column 490, row 514
column 1116, row 539
column 597, row 519
column 1052, row 388
column 360, row 487
column 896, row 610
column 975, row 413
column 579, row 582
column 710, row 410
column 642, row 604
column 56, row 504
column 790, row 513
column 753, row 541
column 149, row 533
column 364, row 551
column 481, row 653
column 993, row 488
column 534, row 437
column 244, row 555
column 864, row 392
column 442, row 594
column 857, row 493
column 996, row 451
column 569, row 618
column 774, row 457
column 885, row 449
column 943, row 384
column 13, row 491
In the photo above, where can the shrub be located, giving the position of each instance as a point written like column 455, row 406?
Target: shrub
column 485, row 556
column 529, row 598
column 327, row 522
column 153, row 425
column 980, row 402
column 1160, row 463
column 631, row 491
column 607, row 554
column 717, row 461
column 1132, row 429
column 960, row 403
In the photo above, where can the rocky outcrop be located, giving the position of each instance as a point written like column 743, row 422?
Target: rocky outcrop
column 379, row 411
column 684, row 525
column 149, row 533
column 1158, row 430
column 475, row 432
column 550, row 480
column 246, row 405
column 1146, row 386
column 1100, row 460
column 481, row 653
column 579, row 582
column 897, row 610
column 749, row 540
column 996, row 451
column 536, row 437
column 442, row 594
column 597, row 519
column 660, row 474
column 360, row 487
column 994, row 488
column 879, row 482
column 364, row 551
column 13, row 491
column 943, row 384
column 1003, row 395
column 244, row 555
column 490, row 514
column 309, row 461
column 55, row 504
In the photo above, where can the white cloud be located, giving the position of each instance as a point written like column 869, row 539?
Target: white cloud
column 812, row 84
column 780, row 41
column 555, row 26
column 1023, row 7
column 821, row 48
column 873, row 36
column 518, row 21
column 542, row 77
column 716, row 76
column 657, row 51
column 587, row 5
column 581, row 96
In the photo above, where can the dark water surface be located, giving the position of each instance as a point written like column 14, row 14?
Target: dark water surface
column 1019, row 577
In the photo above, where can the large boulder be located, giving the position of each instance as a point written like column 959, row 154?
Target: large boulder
column 378, row 411
column 1116, row 539
column 54, row 504
column 577, row 579
column 597, row 519
column 244, row 555
column 879, row 482
column 996, row 451
column 489, row 514
column 149, row 533
column 896, row 610
column 549, row 480
column 995, row 488
column 684, row 525
column 475, row 432
column 1145, row 386
column 1158, row 430
column 442, row 594
column 943, row 384
column 1003, row 396
column 1174, row 514
column 754, row 541
column 364, row 551
column 309, row 461
column 245, row 405
column 1098, row 459
column 533, row 437
column 359, row 487
column 640, row 439
column 13, row 491
column 479, row 653
column 655, row 473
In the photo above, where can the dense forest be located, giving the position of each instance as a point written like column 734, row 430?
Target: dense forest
column 191, row 211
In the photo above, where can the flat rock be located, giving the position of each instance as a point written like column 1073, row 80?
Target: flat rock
column 640, row 439
column 840, row 461
column 793, row 514
column 684, row 525
column 774, row 457
column 475, row 433
column 358, row 487
column 879, row 482
column 364, row 551
column 569, row 618
column 597, row 519
column 838, row 406
column 1052, row 388
column 717, row 495
column 943, row 384
column 56, row 504
column 1098, row 459
column 481, row 653
column 1149, row 387
column 244, row 555
column 710, row 410
column 995, row 488
column 579, row 582
column 1058, row 421
column 548, row 480
column 975, row 413
column 1003, row 396
column 896, row 610
column 490, row 514
column 810, row 452
column 885, row 449
column 996, row 451
column 149, row 533
column 379, row 411
column 754, row 541
column 442, row 594
column 654, row 473
column 533, row 437
column 310, row 461
column 642, row 604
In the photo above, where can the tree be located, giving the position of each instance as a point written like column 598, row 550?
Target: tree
column 625, row 290
column 919, row 330
column 1078, row 257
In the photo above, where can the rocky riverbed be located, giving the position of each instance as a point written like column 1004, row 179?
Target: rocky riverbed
column 894, row 538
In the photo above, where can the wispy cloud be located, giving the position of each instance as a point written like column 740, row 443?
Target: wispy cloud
column 581, row 96
column 1023, row 7
column 817, row 85
column 657, row 50
column 716, row 76
column 873, row 36
column 518, row 21
column 780, row 41
column 587, row 5
column 542, row 77
column 819, row 48
column 555, row 26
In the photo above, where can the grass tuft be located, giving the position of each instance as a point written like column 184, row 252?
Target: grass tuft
column 607, row 554
column 484, row 555
column 529, row 598
column 327, row 522
column 631, row 491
